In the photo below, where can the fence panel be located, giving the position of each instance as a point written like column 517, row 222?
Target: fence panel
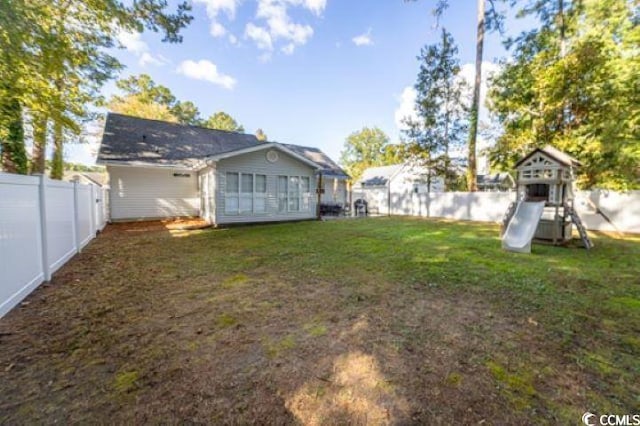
column 84, row 215
column 21, row 267
column 60, row 223
column 43, row 223
column 600, row 210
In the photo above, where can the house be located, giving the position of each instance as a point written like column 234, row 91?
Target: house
column 159, row 169
column 94, row 178
column 392, row 188
column 495, row 182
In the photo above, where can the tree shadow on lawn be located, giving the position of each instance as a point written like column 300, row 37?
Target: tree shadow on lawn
column 245, row 327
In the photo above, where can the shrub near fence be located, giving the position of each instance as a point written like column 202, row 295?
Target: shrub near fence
column 43, row 223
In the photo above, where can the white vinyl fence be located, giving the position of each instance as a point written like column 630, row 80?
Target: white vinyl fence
column 599, row 210
column 43, row 223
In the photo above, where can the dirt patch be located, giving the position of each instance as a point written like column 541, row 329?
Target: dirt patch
column 158, row 225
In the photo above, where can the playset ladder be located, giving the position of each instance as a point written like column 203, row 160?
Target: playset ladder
column 508, row 215
column 581, row 229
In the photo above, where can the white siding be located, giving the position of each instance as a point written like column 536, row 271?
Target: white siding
column 256, row 162
column 407, row 187
column 146, row 193
column 207, row 178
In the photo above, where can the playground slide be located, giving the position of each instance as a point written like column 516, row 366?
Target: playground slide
column 522, row 226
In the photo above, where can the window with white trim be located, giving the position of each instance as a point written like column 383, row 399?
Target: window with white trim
column 282, row 193
column 245, row 193
column 294, row 193
column 305, row 189
column 260, row 194
column 232, row 193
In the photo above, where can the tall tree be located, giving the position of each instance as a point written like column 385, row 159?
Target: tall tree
column 142, row 97
column 223, row 121
column 261, row 136
column 362, row 149
column 441, row 123
column 573, row 83
column 475, row 102
column 489, row 20
column 44, row 43
column 12, row 151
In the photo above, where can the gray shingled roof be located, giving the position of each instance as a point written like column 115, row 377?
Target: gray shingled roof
column 495, row 179
column 379, row 176
column 129, row 139
column 328, row 166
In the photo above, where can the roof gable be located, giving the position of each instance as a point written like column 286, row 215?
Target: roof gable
column 379, row 176
column 552, row 154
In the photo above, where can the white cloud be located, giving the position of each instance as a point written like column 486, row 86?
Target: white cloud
column 217, row 29
column 207, row 71
column 265, row 57
column 214, row 7
column 132, row 42
column 468, row 74
column 288, row 49
column 274, row 25
column 233, row 39
column 259, row 35
column 407, row 108
column 363, row 39
column 279, row 23
column 316, row 6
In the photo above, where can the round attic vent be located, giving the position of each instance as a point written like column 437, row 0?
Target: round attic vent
column 272, row 156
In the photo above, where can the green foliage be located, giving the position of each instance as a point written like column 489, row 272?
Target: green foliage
column 366, row 148
column 573, row 83
column 13, row 156
column 223, row 121
column 262, row 137
column 441, row 123
column 54, row 55
column 142, row 97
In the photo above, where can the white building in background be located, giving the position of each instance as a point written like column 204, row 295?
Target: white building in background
column 395, row 188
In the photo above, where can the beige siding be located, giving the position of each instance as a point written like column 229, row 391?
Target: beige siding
column 256, row 162
column 145, row 193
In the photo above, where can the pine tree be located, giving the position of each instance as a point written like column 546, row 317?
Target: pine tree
column 441, row 123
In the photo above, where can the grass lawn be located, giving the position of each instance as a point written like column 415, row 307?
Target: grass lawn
column 385, row 320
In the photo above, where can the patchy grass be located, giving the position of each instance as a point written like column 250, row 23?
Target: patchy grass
column 386, row 320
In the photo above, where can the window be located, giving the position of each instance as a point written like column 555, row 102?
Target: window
column 294, row 193
column 231, row 199
column 260, row 194
column 282, row 193
column 305, row 188
column 245, row 193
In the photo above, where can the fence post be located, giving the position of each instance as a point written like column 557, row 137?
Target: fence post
column 92, row 210
column 46, row 270
column 76, row 237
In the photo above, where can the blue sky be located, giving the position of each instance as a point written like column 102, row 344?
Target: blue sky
column 307, row 72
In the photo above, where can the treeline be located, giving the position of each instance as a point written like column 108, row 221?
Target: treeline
column 53, row 62
column 572, row 82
